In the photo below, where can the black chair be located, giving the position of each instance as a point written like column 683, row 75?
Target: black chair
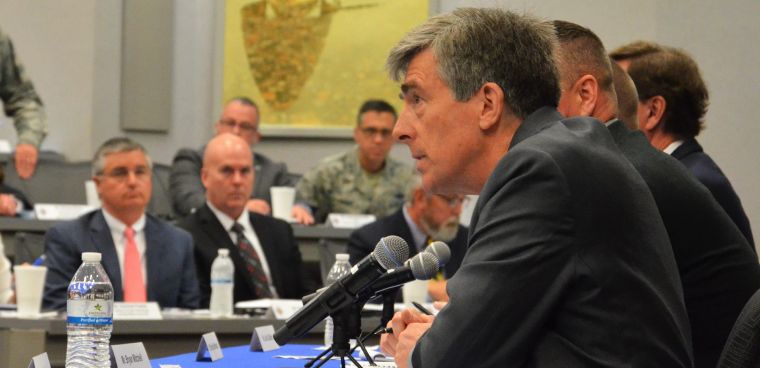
column 742, row 348
column 160, row 204
column 54, row 181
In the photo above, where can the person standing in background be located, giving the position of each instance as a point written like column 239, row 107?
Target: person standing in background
column 24, row 106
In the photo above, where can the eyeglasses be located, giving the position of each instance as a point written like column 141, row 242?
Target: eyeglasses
column 121, row 174
column 373, row 132
column 245, row 127
column 453, row 202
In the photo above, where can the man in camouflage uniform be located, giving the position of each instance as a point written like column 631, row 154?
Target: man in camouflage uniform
column 363, row 180
column 22, row 104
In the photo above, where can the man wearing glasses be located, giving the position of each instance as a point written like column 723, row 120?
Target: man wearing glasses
column 240, row 117
column 145, row 258
column 363, row 180
column 424, row 218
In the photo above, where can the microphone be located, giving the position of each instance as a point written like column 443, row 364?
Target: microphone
column 423, row 266
column 440, row 250
column 390, row 252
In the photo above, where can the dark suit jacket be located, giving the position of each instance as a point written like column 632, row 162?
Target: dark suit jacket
column 708, row 173
column 568, row 263
column 169, row 251
column 364, row 239
column 718, row 271
column 277, row 240
column 187, row 190
column 5, row 189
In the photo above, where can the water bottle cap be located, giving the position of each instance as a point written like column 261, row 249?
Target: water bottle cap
column 341, row 257
column 223, row 252
column 91, row 257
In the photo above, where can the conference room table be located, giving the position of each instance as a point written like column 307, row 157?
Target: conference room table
column 241, row 356
column 21, row 339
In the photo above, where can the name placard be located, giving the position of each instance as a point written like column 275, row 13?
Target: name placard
column 349, row 221
column 129, row 356
column 136, row 311
column 263, row 339
column 40, row 361
column 209, row 343
column 49, row 211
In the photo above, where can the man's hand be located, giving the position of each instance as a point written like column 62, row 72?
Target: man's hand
column 408, row 326
column 259, row 206
column 8, row 205
column 26, row 160
column 302, row 215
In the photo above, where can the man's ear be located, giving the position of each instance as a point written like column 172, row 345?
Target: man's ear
column 651, row 116
column 204, row 176
column 587, row 89
column 492, row 108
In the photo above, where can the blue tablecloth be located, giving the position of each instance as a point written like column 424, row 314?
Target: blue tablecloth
column 241, row 356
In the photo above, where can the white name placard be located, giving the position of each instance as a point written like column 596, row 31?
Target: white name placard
column 136, row 311
column 263, row 339
column 209, row 343
column 130, row 356
column 348, row 221
column 40, row 361
column 49, row 211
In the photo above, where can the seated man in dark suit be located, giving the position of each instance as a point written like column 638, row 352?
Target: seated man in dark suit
column 719, row 272
column 240, row 117
column 424, row 218
column 263, row 249
column 145, row 258
column 673, row 101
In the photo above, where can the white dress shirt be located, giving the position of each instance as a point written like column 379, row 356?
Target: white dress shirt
column 120, row 242
column 672, row 147
column 245, row 220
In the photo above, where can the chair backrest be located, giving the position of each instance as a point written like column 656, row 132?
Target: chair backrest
column 54, row 181
column 742, row 348
column 160, row 204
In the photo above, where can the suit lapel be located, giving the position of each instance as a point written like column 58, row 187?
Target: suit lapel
column 216, row 232
column 154, row 252
column 101, row 238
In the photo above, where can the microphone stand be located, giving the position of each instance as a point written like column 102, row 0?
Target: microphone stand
column 347, row 326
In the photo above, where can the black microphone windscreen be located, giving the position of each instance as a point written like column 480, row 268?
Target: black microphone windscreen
column 391, row 252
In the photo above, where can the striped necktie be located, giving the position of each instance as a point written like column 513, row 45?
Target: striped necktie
column 252, row 263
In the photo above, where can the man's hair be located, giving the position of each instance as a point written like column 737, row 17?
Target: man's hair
column 116, row 145
column 377, row 106
column 627, row 97
column 244, row 101
column 635, row 50
column 674, row 75
column 476, row 46
column 581, row 52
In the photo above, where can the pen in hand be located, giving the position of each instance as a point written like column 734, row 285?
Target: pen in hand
column 419, row 307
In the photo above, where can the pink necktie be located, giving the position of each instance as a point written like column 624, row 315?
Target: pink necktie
column 134, row 287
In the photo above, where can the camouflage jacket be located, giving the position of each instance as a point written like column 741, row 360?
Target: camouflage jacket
column 20, row 101
column 339, row 185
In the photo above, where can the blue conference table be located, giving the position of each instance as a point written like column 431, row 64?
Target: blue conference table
column 241, row 356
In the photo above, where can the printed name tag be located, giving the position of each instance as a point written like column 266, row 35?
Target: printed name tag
column 129, row 356
column 263, row 339
column 348, row 221
column 136, row 311
column 48, row 211
column 209, row 343
column 40, row 361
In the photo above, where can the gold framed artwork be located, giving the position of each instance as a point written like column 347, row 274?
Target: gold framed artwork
column 309, row 64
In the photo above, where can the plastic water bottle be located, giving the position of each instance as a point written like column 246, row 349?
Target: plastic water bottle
column 222, row 283
column 338, row 270
column 89, row 315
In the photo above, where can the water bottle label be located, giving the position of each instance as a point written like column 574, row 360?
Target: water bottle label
column 221, row 281
column 89, row 312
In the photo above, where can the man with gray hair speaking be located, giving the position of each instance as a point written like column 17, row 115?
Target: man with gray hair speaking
column 558, row 272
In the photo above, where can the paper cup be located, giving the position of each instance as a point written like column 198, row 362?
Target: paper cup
column 30, row 283
column 282, row 202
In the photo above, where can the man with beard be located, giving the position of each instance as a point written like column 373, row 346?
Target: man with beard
column 423, row 219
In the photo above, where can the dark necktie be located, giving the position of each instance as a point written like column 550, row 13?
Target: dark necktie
column 252, row 263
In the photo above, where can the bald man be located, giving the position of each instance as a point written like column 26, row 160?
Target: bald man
column 263, row 249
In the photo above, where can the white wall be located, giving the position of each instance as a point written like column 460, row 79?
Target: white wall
column 72, row 51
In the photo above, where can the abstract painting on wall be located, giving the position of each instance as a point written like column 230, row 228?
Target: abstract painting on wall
column 311, row 63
